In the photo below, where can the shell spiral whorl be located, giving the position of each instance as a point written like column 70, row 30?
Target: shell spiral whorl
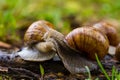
column 36, row 31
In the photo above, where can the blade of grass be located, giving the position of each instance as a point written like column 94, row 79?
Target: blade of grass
column 117, row 76
column 89, row 75
column 103, row 70
column 97, row 79
column 42, row 70
column 113, row 72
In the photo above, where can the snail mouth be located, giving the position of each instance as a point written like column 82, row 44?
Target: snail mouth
column 32, row 54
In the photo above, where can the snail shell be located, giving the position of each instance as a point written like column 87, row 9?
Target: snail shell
column 110, row 31
column 36, row 31
column 88, row 40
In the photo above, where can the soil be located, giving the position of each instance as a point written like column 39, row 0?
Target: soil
column 53, row 70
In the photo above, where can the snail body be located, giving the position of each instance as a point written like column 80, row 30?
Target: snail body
column 33, row 54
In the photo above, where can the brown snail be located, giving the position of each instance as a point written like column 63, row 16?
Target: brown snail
column 109, row 30
column 75, row 60
column 36, row 48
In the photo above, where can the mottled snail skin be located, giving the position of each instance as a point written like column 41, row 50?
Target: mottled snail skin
column 45, row 46
column 33, row 54
column 109, row 30
column 88, row 40
column 36, row 31
column 117, row 53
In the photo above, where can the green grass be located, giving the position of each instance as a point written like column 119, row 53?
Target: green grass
column 42, row 70
column 16, row 14
column 101, row 67
column 115, row 75
column 89, row 74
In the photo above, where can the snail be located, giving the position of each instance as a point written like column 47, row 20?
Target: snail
column 36, row 49
column 109, row 30
column 117, row 52
column 111, row 34
column 74, row 58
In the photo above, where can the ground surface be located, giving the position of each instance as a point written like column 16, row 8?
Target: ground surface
column 53, row 70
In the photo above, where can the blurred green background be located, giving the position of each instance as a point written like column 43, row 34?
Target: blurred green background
column 17, row 15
